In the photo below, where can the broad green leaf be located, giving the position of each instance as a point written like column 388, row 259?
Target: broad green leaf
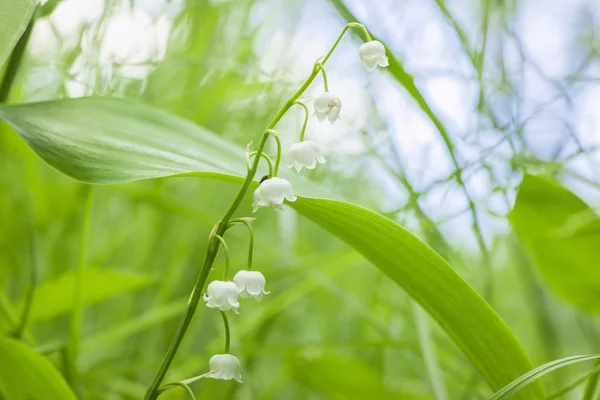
column 54, row 297
column 431, row 281
column 548, row 221
column 340, row 378
column 85, row 139
column 14, row 17
column 521, row 382
column 26, row 375
column 103, row 140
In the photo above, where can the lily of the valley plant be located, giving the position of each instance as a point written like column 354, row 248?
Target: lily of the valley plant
column 224, row 294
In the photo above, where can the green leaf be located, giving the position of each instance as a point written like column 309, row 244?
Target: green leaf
column 521, row 382
column 548, row 221
column 14, row 17
column 55, row 297
column 430, row 280
column 340, row 378
column 106, row 141
column 103, row 140
column 26, row 375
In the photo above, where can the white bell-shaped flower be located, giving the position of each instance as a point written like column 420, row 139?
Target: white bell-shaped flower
column 328, row 105
column 272, row 192
column 372, row 55
column 250, row 284
column 225, row 366
column 222, row 295
column 304, row 154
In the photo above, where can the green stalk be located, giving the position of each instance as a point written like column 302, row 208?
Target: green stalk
column 306, row 114
column 18, row 333
column 322, row 69
column 213, row 245
column 77, row 315
column 267, row 158
column 226, row 252
column 278, row 159
column 251, row 243
column 590, row 387
column 227, row 332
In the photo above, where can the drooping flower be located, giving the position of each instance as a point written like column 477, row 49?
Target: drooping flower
column 328, row 105
column 305, row 154
column 372, row 55
column 250, row 284
column 222, row 295
column 225, row 366
column 272, row 192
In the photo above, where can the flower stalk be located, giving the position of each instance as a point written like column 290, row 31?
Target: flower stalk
column 227, row 332
column 226, row 253
column 214, row 243
column 248, row 223
column 306, row 115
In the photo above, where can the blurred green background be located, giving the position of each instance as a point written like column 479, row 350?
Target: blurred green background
column 479, row 93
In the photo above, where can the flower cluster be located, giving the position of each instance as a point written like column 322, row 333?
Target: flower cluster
column 306, row 153
column 224, row 294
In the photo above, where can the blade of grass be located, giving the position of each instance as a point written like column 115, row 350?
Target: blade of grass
column 428, row 352
column 77, row 315
column 536, row 373
column 566, row 389
column 590, row 387
column 19, row 330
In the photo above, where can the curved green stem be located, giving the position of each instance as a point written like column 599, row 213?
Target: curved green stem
column 306, row 115
column 171, row 385
column 251, row 233
column 348, row 26
column 278, row 159
column 322, row 69
column 226, row 252
column 266, row 157
column 213, row 245
column 227, row 332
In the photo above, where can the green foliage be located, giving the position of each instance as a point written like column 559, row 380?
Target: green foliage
column 339, row 378
column 54, row 297
column 14, row 17
column 25, row 374
column 465, row 316
column 561, row 234
column 521, row 382
column 427, row 278
column 103, row 140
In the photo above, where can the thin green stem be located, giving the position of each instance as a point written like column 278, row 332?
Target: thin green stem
column 77, row 315
column 251, row 244
column 559, row 394
column 590, row 387
column 171, row 385
column 213, row 245
column 266, row 157
column 278, row 159
column 348, row 26
column 14, row 62
column 306, row 115
column 226, row 252
column 18, row 333
column 227, row 332
column 322, row 69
